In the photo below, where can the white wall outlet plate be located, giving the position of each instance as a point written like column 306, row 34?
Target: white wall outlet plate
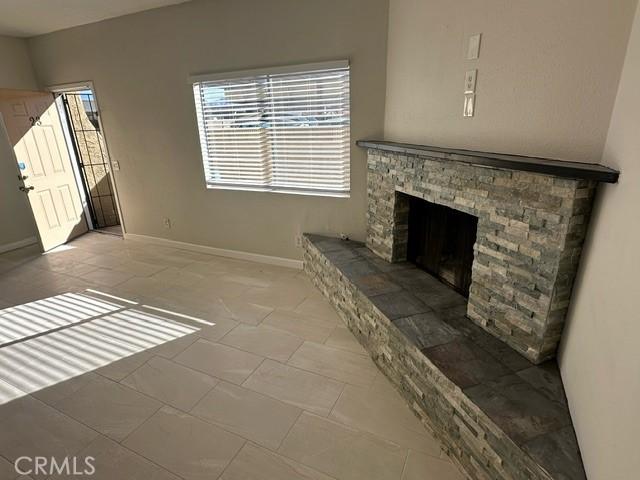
column 469, row 105
column 473, row 48
column 470, row 81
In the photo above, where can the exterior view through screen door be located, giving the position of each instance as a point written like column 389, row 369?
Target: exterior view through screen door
column 45, row 172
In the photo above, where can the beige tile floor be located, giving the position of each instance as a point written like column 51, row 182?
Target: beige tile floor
column 168, row 364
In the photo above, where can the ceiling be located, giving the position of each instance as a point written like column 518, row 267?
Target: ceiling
column 27, row 18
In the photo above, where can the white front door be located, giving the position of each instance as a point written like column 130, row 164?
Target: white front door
column 35, row 131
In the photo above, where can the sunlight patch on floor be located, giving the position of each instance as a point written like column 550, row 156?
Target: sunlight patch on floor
column 57, row 338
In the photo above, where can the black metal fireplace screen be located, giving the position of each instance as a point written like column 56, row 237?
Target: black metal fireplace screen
column 441, row 242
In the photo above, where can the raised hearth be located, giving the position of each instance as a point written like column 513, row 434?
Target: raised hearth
column 530, row 230
column 498, row 415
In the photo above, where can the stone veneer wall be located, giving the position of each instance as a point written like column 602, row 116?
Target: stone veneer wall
column 531, row 228
column 469, row 437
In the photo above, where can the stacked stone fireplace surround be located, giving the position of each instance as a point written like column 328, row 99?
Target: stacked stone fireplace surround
column 479, row 372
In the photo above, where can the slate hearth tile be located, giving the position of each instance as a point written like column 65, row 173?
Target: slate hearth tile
column 398, row 304
column 375, row 284
column 341, row 256
column 492, row 345
column 382, row 264
column 465, row 363
column 357, row 268
column 558, row 453
column 414, row 278
column 454, row 314
column 426, row 330
column 325, row 244
column 439, row 298
column 546, row 378
column 518, row 408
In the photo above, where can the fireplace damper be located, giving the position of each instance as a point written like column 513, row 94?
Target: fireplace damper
column 440, row 241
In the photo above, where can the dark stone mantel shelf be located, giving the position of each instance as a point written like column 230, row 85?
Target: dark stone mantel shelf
column 547, row 166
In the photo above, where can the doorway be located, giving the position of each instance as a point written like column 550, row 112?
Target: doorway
column 61, row 162
column 44, row 171
column 86, row 140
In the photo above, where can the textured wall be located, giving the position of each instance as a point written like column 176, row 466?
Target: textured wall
column 600, row 358
column 547, row 74
column 140, row 65
column 16, row 219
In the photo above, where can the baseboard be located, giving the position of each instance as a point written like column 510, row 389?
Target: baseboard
column 220, row 252
column 7, row 247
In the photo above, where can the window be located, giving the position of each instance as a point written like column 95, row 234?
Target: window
column 284, row 129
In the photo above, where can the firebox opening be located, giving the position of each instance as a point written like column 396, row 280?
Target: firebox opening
column 440, row 241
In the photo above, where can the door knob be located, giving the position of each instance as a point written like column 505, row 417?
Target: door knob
column 26, row 189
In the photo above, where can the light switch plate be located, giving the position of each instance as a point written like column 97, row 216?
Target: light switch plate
column 473, row 48
column 470, row 81
column 469, row 105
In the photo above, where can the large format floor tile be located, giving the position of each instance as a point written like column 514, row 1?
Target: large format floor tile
column 306, row 390
column 425, row 467
column 171, row 383
column 108, row 407
column 342, row 338
column 384, row 414
column 335, row 363
column 268, row 342
column 29, row 427
column 256, row 463
column 192, row 448
column 178, row 365
column 112, row 461
column 8, row 471
column 246, row 312
column 342, row 452
column 314, row 329
column 317, row 306
column 257, row 417
column 221, row 361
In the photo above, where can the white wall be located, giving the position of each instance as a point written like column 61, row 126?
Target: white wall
column 140, row 64
column 16, row 219
column 15, row 67
column 600, row 355
column 547, row 74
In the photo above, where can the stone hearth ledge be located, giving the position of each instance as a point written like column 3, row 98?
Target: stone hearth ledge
column 531, row 228
column 497, row 415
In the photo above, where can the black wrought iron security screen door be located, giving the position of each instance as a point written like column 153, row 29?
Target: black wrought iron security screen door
column 82, row 115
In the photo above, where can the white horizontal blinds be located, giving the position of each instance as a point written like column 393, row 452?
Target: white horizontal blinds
column 233, row 139
column 277, row 131
column 309, row 130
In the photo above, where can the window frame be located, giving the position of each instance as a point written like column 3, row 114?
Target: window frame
column 300, row 69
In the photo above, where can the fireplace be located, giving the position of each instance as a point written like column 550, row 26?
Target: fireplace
column 440, row 241
column 528, row 236
column 506, row 232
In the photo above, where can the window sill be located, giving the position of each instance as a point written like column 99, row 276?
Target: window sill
column 308, row 193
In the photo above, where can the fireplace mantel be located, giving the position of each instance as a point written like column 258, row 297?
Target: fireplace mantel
column 547, row 166
column 531, row 227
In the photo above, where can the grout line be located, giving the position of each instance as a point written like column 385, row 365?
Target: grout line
column 293, row 424
column 234, row 457
column 336, row 401
column 404, row 466
column 196, row 337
